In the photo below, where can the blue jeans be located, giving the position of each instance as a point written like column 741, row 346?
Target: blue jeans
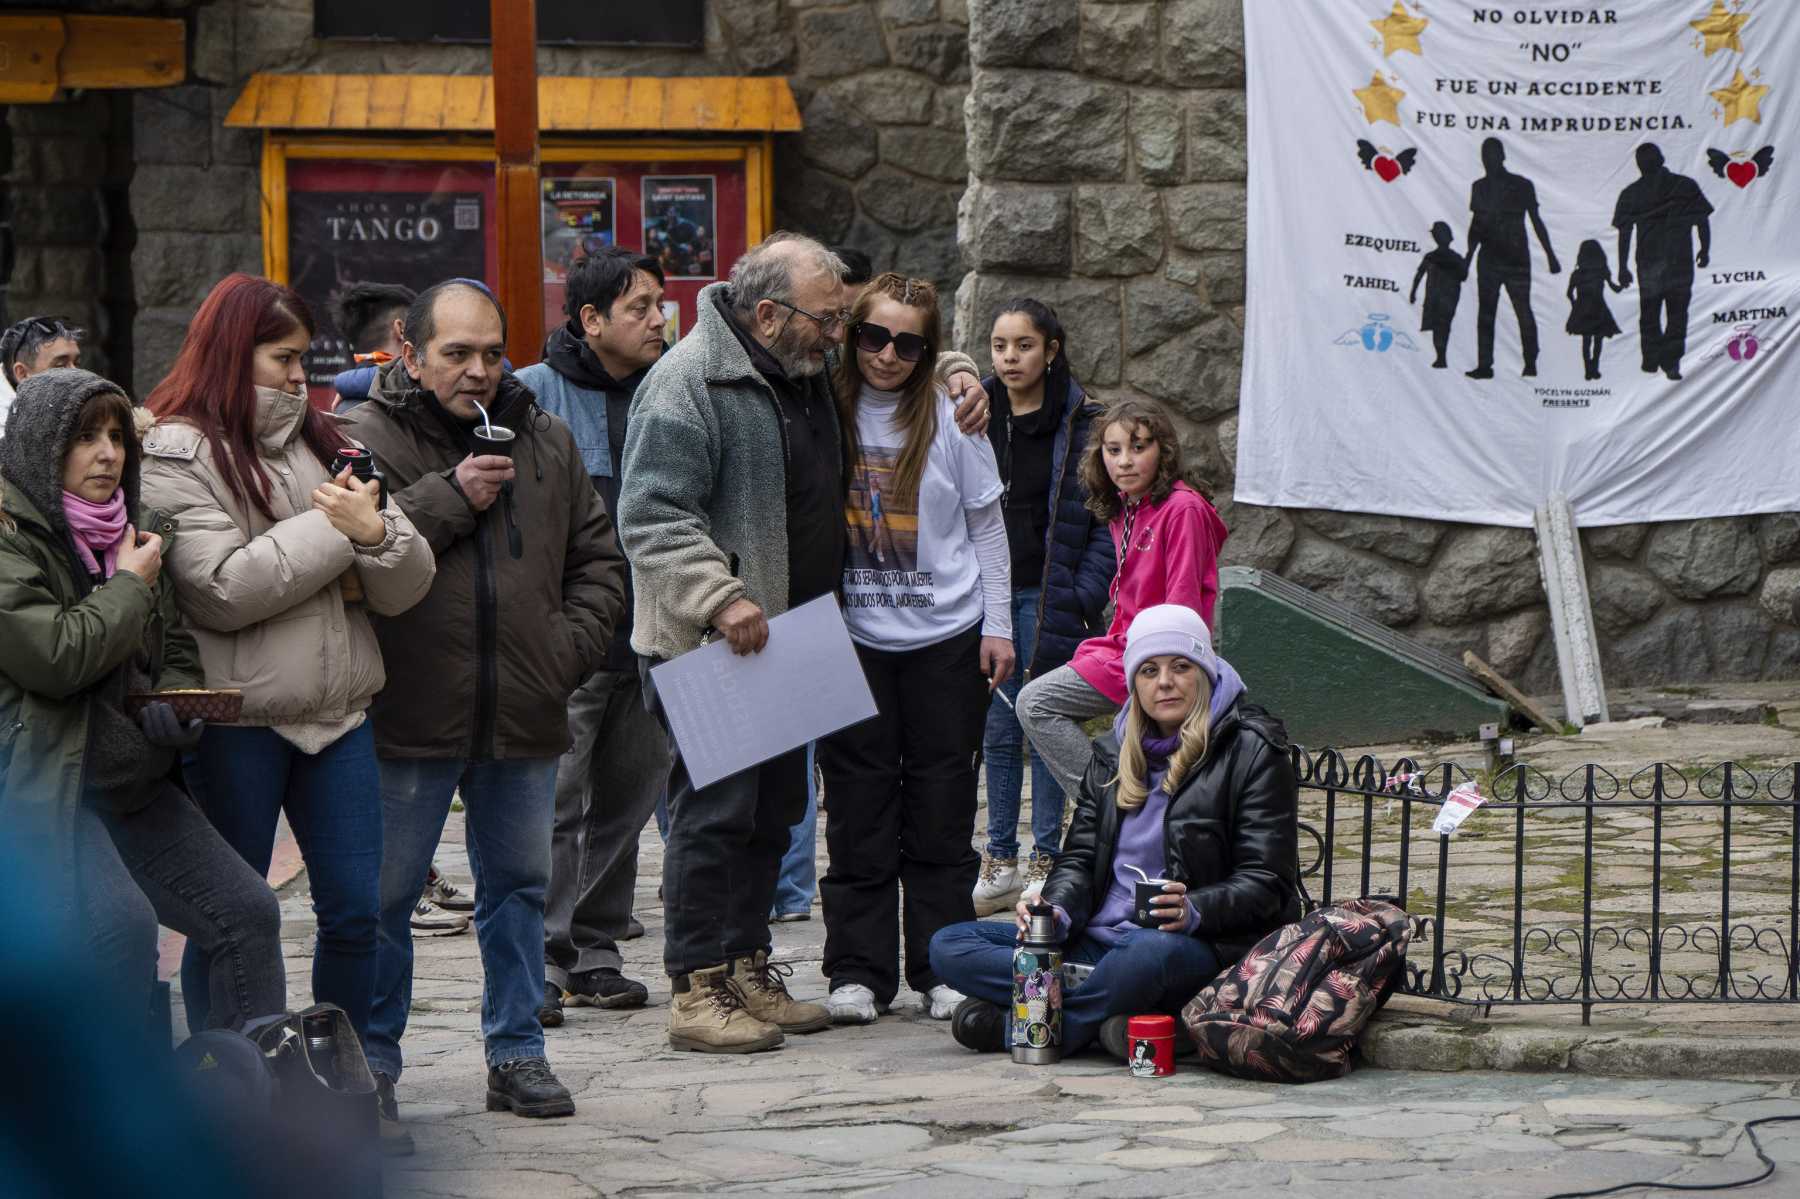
column 243, row 778
column 1004, row 748
column 799, row 866
column 509, row 809
column 1148, row 971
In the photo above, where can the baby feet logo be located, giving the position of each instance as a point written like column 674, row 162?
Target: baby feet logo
column 1743, row 346
column 1740, row 166
column 1377, row 336
column 1384, row 162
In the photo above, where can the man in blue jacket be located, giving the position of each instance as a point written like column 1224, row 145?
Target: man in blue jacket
column 608, row 781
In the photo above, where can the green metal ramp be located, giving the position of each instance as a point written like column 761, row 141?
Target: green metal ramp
column 1335, row 676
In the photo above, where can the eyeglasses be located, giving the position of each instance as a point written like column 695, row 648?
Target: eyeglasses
column 828, row 323
column 875, row 338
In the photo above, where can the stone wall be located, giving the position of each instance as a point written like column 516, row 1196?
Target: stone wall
column 1106, row 176
column 71, row 162
column 879, row 167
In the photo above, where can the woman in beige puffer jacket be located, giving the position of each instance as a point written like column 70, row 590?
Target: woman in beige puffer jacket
column 277, row 568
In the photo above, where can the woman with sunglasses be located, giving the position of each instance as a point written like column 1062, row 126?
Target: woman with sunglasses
column 927, row 597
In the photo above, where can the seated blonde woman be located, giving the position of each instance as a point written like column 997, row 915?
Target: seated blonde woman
column 1193, row 785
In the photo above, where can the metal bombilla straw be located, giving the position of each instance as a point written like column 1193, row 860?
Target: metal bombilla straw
column 515, row 543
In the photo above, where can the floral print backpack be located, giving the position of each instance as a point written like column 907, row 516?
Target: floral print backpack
column 1291, row 1010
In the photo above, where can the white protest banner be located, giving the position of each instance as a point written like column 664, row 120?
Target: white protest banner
column 1500, row 251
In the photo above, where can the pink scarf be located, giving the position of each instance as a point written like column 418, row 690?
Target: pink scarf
column 97, row 527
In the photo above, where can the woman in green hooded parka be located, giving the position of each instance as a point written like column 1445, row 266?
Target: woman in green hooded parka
column 87, row 790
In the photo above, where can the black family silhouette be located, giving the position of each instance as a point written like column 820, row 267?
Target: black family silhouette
column 1443, row 271
column 1664, row 209
column 1500, row 202
column 1589, row 317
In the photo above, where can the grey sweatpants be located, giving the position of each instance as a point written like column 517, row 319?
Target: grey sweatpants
column 1052, row 708
column 606, row 789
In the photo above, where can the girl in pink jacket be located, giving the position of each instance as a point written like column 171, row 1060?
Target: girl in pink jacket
column 1167, row 537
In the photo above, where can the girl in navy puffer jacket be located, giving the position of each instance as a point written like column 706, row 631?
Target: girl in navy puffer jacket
column 1062, row 567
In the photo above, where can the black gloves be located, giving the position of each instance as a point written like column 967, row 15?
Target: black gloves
column 163, row 728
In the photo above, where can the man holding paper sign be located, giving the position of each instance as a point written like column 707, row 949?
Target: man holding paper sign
column 732, row 511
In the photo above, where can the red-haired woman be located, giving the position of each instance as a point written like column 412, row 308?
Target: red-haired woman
column 276, row 566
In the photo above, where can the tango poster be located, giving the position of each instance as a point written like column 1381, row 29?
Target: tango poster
column 1503, row 251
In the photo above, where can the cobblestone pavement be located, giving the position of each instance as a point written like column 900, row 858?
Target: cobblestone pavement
column 897, row 1109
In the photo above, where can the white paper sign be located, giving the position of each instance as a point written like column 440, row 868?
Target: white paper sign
column 729, row 713
column 1458, row 806
column 1535, row 138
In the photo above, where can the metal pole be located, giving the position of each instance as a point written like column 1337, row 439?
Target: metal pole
column 518, row 198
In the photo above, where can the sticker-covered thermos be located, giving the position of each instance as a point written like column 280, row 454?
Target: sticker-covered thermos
column 1037, row 991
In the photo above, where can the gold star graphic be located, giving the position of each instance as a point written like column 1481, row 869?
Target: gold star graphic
column 1721, row 29
column 1381, row 102
column 1742, row 100
column 1400, row 30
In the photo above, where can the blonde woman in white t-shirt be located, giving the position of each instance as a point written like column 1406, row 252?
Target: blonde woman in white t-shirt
column 927, row 599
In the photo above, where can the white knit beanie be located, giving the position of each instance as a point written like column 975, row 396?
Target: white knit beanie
column 1169, row 629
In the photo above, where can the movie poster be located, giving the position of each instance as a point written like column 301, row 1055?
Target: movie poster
column 1501, row 251
column 414, row 238
column 578, row 219
column 681, row 224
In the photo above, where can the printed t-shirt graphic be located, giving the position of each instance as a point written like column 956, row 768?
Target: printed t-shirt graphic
column 884, row 530
column 911, row 578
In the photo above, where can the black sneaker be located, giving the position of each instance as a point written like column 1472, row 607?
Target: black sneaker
column 979, row 1025
column 525, row 1087
column 605, row 987
column 551, row 1014
column 395, row 1140
column 634, row 928
column 1115, row 1038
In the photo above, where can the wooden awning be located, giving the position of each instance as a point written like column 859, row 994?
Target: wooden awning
column 41, row 54
column 465, row 104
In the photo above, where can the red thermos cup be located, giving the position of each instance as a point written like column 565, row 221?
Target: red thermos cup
column 1150, row 1046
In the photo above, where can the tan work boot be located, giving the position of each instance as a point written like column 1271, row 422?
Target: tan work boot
column 707, row 1015
column 766, row 995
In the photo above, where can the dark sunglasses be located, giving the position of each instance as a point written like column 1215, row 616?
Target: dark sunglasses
column 874, row 338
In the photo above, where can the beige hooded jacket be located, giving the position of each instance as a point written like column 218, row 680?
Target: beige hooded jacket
column 263, row 596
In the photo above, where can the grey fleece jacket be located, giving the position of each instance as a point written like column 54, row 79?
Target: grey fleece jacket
column 705, row 481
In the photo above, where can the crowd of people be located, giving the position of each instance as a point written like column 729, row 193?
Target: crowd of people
column 478, row 616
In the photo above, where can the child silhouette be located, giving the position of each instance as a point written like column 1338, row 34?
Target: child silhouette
column 1589, row 317
column 1443, row 271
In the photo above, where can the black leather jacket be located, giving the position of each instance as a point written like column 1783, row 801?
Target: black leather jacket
column 1230, row 834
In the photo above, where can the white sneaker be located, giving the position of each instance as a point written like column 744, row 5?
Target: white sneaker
column 998, row 887
column 1036, row 873
column 941, row 1001
column 852, row 1003
column 433, row 921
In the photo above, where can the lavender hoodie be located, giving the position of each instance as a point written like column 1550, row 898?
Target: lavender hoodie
column 1141, row 839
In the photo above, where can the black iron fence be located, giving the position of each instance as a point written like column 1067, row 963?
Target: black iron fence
column 1670, row 886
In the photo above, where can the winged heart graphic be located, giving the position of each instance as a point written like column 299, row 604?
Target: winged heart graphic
column 1740, row 166
column 1384, row 162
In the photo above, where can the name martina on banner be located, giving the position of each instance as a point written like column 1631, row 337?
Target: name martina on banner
column 1503, row 251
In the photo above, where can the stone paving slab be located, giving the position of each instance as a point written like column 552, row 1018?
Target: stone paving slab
column 898, row 1110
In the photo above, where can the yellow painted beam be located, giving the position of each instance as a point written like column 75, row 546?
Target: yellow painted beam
column 29, row 50
column 465, row 104
column 124, row 52
column 43, row 54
